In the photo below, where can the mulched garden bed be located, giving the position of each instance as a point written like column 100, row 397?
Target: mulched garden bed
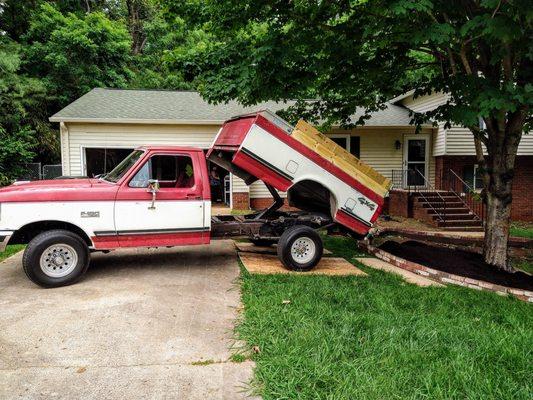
column 458, row 262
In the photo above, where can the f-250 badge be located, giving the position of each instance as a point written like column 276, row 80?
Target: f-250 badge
column 90, row 214
column 365, row 202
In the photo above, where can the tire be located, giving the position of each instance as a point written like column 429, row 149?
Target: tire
column 263, row 242
column 307, row 250
column 65, row 268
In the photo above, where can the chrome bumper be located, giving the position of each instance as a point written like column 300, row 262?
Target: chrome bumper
column 4, row 239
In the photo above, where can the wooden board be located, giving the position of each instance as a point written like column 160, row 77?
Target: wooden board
column 268, row 264
column 247, row 247
column 310, row 137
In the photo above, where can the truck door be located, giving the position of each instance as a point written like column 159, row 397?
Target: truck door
column 177, row 215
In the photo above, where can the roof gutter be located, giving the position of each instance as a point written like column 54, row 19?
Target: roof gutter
column 137, row 121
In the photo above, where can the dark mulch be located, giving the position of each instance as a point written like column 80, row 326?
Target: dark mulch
column 458, row 262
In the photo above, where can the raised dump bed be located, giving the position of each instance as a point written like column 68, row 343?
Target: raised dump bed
column 317, row 174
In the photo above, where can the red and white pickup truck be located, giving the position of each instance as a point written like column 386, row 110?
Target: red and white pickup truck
column 159, row 196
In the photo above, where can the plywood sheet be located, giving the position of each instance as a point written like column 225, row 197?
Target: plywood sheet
column 269, row 264
column 247, row 247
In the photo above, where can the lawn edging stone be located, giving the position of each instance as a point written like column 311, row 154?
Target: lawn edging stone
column 444, row 277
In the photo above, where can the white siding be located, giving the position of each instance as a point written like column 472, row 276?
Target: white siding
column 64, row 138
column 425, row 103
column 238, row 185
column 127, row 135
column 460, row 142
column 455, row 141
column 258, row 190
column 526, row 145
column 439, row 143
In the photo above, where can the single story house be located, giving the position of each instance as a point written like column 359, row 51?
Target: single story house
column 100, row 128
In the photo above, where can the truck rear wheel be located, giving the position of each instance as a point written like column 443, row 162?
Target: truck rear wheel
column 300, row 248
column 56, row 258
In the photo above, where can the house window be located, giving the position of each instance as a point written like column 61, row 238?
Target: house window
column 170, row 172
column 472, row 176
column 350, row 143
column 355, row 146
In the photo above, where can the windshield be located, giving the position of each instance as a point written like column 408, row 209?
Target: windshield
column 120, row 170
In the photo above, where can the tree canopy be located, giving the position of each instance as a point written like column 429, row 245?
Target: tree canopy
column 52, row 52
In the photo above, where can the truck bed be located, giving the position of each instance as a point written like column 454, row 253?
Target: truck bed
column 317, row 174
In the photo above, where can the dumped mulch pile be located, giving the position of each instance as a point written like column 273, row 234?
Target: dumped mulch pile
column 458, row 262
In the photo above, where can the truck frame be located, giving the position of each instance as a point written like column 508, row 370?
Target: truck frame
column 159, row 196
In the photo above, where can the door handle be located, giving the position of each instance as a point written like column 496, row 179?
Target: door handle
column 193, row 197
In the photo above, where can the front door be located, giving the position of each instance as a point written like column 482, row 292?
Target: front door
column 416, row 150
column 176, row 217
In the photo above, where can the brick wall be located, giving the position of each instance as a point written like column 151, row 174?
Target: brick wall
column 398, row 203
column 264, row 202
column 522, row 208
column 241, row 201
column 523, row 189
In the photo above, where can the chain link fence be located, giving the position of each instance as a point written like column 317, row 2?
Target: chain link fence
column 52, row 171
column 33, row 172
column 36, row 171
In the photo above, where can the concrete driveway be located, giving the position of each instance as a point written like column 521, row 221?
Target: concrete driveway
column 143, row 324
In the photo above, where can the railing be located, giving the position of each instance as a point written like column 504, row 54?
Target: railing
column 468, row 196
column 414, row 181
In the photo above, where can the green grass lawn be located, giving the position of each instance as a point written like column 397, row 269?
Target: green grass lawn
column 522, row 230
column 377, row 337
column 525, row 266
column 10, row 250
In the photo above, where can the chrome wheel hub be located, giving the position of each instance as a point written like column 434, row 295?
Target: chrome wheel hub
column 303, row 250
column 58, row 260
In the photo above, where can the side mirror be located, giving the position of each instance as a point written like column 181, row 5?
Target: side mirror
column 153, row 187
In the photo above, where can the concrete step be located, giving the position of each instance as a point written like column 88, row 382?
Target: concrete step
column 448, row 210
column 454, row 204
column 462, row 228
column 456, row 217
column 459, row 223
column 437, row 198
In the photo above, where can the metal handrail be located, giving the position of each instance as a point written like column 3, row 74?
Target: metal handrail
column 470, row 190
column 442, row 217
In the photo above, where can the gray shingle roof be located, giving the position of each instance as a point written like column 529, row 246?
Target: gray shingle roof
column 162, row 106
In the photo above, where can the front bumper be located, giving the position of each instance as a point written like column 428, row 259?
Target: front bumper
column 4, row 239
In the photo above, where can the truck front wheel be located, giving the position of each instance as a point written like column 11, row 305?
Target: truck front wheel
column 56, row 258
column 300, row 248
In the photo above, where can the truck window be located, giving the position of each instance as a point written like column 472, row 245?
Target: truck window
column 170, row 171
column 121, row 169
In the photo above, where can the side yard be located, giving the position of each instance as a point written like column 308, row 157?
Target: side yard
column 522, row 229
column 377, row 337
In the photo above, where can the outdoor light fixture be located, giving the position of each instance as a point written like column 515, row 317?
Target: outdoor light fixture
column 397, row 145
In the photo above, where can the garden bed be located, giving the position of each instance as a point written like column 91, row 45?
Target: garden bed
column 457, row 262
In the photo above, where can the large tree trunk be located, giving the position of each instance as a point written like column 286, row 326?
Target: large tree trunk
column 498, row 181
column 497, row 230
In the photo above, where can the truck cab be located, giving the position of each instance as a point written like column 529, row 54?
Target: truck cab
column 157, row 196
